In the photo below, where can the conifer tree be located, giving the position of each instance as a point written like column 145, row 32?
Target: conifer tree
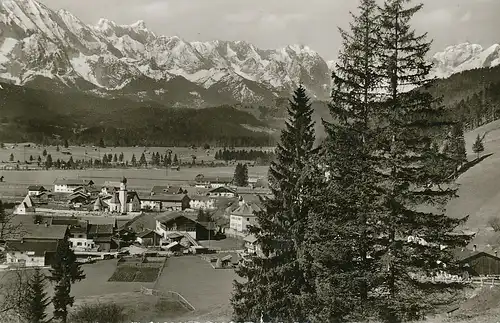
column 343, row 203
column 44, row 153
column 66, row 143
column 48, row 161
column 33, row 310
column 412, row 120
column 64, row 272
column 478, row 146
column 115, row 158
column 121, row 157
column 275, row 284
column 176, row 160
column 31, row 158
column 133, row 161
column 142, row 160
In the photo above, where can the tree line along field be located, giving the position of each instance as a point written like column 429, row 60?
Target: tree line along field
column 22, row 152
column 142, row 180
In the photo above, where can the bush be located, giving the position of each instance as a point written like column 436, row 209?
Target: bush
column 99, row 313
column 494, row 222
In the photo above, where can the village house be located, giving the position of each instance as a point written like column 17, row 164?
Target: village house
column 149, row 238
column 103, row 236
column 34, row 244
column 212, row 182
column 109, row 188
column 252, row 245
column 478, row 263
column 222, row 191
column 70, row 185
column 243, row 217
column 30, row 253
column 27, row 206
column 168, row 190
column 201, row 202
column 184, row 222
column 36, row 190
column 173, row 202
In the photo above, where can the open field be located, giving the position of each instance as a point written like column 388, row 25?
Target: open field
column 184, row 154
column 141, row 180
column 207, row 289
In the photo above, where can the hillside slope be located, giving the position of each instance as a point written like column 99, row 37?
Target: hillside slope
column 479, row 192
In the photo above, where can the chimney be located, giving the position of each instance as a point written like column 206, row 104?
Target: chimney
column 475, row 248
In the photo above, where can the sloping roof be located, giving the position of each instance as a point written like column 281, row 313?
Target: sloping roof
column 166, row 189
column 73, row 182
column 250, row 238
column 165, row 198
column 169, row 216
column 28, row 202
column 36, row 188
column 202, row 198
column 100, row 229
column 39, row 247
column 50, row 232
column 174, row 235
column 100, row 220
column 247, row 209
column 131, row 195
column 147, row 232
column 464, row 254
column 171, row 245
column 222, row 189
column 99, row 203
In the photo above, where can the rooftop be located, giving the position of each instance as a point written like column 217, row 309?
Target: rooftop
column 43, row 232
column 247, row 209
column 38, row 247
column 73, row 182
column 165, row 198
column 167, row 190
column 36, row 188
column 106, row 229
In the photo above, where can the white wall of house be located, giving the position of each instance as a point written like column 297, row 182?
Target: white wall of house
column 134, row 206
column 151, row 205
column 23, row 210
column 34, row 193
column 82, row 243
column 27, row 258
column 63, row 188
column 203, row 205
column 217, row 185
column 241, row 223
column 162, row 230
column 223, row 194
column 253, row 248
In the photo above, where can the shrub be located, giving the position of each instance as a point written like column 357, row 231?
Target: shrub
column 99, row 313
column 494, row 222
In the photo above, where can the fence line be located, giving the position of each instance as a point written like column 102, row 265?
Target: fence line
column 176, row 296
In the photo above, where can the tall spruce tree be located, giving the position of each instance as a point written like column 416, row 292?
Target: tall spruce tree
column 414, row 194
column 64, row 272
column 275, row 282
column 33, row 310
column 344, row 203
column 478, row 146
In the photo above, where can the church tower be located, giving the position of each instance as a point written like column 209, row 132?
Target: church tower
column 123, row 196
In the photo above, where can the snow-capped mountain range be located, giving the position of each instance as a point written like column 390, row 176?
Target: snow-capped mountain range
column 55, row 50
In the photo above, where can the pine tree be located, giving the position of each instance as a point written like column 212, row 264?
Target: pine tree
column 64, row 272
column 115, row 158
column 11, row 157
column 31, row 158
column 48, row 161
column 57, row 148
column 245, row 175
column 142, row 160
column 411, row 122
column 275, row 284
column 39, row 159
column 37, row 300
column 342, row 196
column 70, row 162
column 238, row 175
column 121, row 158
column 101, row 143
column 478, row 146
column 455, row 147
column 176, row 160
column 44, row 153
column 66, row 143
column 133, row 161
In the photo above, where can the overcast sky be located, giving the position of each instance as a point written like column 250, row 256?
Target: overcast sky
column 277, row 23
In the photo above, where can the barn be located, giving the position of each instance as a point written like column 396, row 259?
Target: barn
column 478, row 263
